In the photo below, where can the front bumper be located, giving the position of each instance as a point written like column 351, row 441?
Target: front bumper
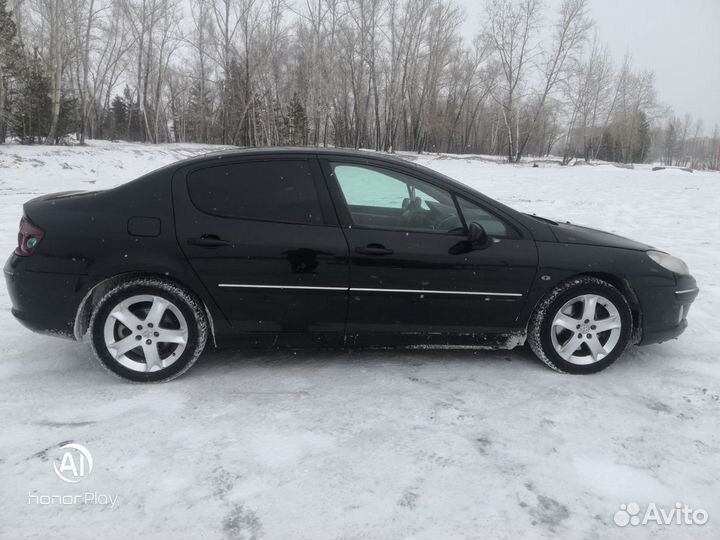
column 665, row 310
column 44, row 302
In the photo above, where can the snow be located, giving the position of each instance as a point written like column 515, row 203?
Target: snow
column 374, row 445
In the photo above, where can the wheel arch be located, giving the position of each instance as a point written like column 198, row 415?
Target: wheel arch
column 623, row 285
column 619, row 282
column 86, row 307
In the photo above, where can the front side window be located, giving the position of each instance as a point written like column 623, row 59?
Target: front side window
column 280, row 190
column 493, row 225
column 385, row 199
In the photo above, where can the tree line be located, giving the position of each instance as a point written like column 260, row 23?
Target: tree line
column 382, row 74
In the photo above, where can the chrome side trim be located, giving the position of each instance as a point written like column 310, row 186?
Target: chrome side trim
column 303, row 287
column 363, row 289
column 694, row 289
column 427, row 291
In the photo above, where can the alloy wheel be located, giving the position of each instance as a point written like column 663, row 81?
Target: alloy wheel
column 586, row 329
column 145, row 333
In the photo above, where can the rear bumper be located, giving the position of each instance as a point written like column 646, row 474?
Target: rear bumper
column 44, row 302
column 665, row 310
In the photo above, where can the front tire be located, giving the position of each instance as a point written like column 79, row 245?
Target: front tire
column 148, row 330
column 581, row 327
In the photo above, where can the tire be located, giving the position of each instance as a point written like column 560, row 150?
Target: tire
column 160, row 330
column 581, row 327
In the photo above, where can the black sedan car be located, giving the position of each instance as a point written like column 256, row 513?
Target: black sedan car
column 328, row 248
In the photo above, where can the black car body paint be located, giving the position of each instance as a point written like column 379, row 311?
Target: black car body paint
column 326, row 283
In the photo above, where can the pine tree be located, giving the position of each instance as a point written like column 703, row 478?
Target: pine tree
column 30, row 103
column 297, row 122
column 199, row 113
column 669, row 144
column 69, row 118
column 606, row 150
column 118, row 116
column 134, row 129
column 278, row 127
column 641, row 141
column 10, row 60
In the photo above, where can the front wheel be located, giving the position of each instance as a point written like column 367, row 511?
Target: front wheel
column 148, row 330
column 582, row 326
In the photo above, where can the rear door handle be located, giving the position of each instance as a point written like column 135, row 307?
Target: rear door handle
column 208, row 240
column 374, row 249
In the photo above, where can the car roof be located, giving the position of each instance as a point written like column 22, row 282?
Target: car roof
column 239, row 152
column 298, row 150
column 375, row 156
column 271, row 151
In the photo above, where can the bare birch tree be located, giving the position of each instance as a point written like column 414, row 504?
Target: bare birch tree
column 570, row 34
column 511, row 27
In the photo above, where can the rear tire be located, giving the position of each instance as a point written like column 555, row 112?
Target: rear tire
column 581, row 327
column 148, row 330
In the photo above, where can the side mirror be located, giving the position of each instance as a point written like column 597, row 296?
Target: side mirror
column 477, row 235
column 477, row 238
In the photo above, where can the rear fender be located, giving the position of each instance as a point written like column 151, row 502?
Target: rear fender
column 96, row 292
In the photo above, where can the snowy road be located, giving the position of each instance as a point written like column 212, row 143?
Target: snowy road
column 374, row 445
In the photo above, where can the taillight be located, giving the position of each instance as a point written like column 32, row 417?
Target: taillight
column 29, row 237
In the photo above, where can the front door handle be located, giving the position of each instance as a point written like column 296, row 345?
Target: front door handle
column 374, row 249
column 208, row 240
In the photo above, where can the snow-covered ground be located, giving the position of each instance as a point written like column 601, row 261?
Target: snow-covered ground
column 374, row 445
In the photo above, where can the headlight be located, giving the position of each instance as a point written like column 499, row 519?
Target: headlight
column 675, row 265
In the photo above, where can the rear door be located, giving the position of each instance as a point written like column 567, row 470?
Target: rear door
column 262, row 236
column 412, row 272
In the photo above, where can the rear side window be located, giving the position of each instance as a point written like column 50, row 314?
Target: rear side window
column 261, row 190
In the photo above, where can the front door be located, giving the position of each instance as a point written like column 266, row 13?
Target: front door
column 263, row 238
column 414, row 275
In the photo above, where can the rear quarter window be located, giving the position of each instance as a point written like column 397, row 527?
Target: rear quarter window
column 281, row 191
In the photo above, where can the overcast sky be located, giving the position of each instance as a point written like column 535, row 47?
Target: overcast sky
column 677, row 39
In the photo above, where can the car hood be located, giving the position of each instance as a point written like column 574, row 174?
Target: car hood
column 570, row 233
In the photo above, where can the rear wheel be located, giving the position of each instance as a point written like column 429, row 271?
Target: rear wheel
column 582, row 326
column 148, row 330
